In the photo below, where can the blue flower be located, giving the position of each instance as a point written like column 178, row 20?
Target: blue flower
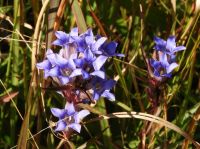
column 69, row 118
column 63, row 39
column 168, row 47
column 81, row 55
column 162, row 68
column 101, row 88
column 85, row 66
column 109, row 49
column 57, row 66
column 88, row 41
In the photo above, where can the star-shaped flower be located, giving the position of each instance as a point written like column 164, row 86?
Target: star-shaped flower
column 168, row 47
column 162, row 68
column 57, row 66
column 85, row 66
column 63, row 39
column 87, row 41
column 69, row 117
column 101, row 88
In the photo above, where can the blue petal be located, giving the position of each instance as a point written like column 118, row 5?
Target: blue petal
column 155, row 64
column 49, row 51
column 85, row 74
column 71, row 63
column 96, row 95
column 79, row 62
column 108, row 95
column 99, row 42
column 58, row 42
column 156, row 73
column 98, row 63
column 98, row 73
column 54, row 72
column 119, row 55
column 60, row 113
column 89, row 56
column 76, row 72
column 160, row 44
column 61, row 35
column 110, row 48
column 52, row 58
column 60, row 61
column 63, row 38
column 172, row 58
column 74, row 32
column 167, row 75
column 80, row 115
column 76, row 127
column 109, row 84
column 46, row 73
column 179, row 48
column 44, row 65
column 171, row 67
column 89, row 40
column 163, row 59
column 61, row 125
column 69, row 107
column 171, row 44
column 88, row 33
column 158, row 40
column 64, row 79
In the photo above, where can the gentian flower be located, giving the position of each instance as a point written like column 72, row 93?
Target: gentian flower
column 101, row 88
column 166, row 51
column 109, row 49
column 57, row 66
column 69, row 117
column 85, row 67
column 63, row 39
column 168, row 47
column 162, row 68
column 87, row 41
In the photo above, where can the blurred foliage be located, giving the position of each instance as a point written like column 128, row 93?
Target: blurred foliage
column 131, row 23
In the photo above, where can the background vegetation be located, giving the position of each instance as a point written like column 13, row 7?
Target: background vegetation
column 27, row 29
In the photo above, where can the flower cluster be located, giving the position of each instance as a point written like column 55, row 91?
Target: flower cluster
column 166, row 57
column 79, row 68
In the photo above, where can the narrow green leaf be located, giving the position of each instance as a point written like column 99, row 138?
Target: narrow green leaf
column 22, row 141
column 78, row 14
column 107, row 135
column 53, row 7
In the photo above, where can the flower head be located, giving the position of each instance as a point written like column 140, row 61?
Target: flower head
column 63, row 39
column 57, row 66
column 166, row 62
column 109, row 49
column 168, row 47
column 69, row 117
column 101, row 88
column 78, row 68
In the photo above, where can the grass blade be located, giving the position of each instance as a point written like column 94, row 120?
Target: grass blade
column 78, row 14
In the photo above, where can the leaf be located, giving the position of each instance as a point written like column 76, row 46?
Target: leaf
column 97, row 20
column 22, row 141
column 147, row 117
column 51, row 20
column 7, row 98
column 5, row 9
column 91, row 109
column 80, row 20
